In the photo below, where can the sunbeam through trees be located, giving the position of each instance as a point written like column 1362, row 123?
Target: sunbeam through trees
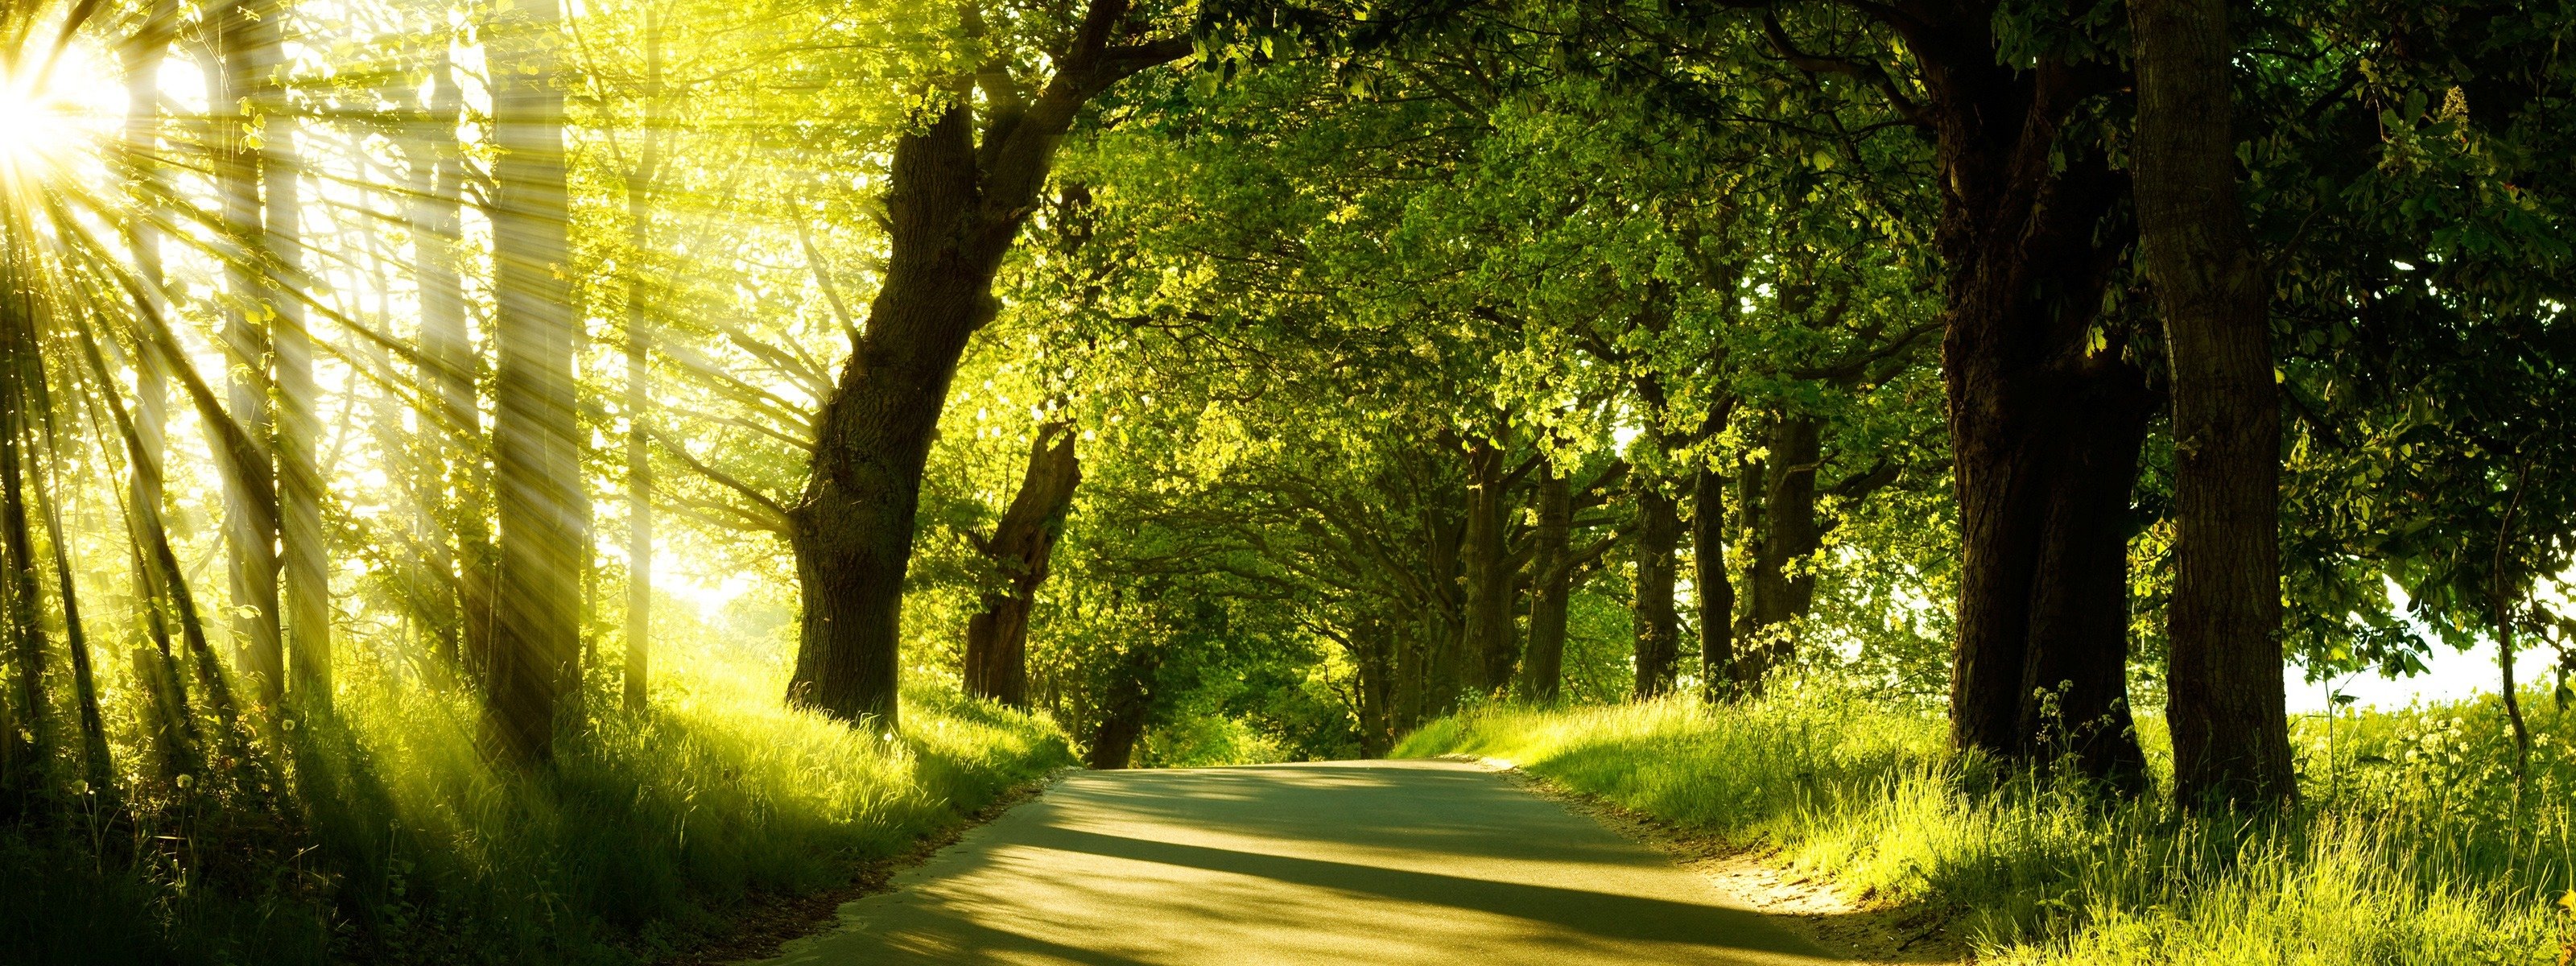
column 600, row 481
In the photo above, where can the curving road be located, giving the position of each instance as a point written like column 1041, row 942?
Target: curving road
column 1345, row 862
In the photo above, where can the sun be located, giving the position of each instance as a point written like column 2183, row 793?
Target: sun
column 54, row 116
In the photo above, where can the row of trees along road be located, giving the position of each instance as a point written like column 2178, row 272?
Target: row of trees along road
column 1248, row 373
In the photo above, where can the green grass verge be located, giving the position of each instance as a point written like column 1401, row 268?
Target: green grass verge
column 2415, row 842
column 397, row 841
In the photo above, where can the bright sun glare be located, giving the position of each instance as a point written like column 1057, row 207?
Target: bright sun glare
column 46, row 117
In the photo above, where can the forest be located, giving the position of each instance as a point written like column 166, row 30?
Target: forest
column 562, row 481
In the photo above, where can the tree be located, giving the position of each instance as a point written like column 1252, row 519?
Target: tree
column 1019, row 549
column 960, row 187
column 2231, row 737
column 544, row 510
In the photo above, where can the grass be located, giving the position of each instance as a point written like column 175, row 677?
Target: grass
column 2415, row 842
column 397, row 841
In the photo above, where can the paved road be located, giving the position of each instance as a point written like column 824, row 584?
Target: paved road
column 1353, row 862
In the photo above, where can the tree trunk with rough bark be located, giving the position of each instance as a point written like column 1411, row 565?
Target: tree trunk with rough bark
column 1373, row 655
column 955, row 202
column 997, row 655
column 1787, row 537
column 2040, row 420
column 1551, row 586
column 1492, row 650
column 1125, row 710
column 1717, row 647
column 2227, row 707
column 1652, row 616
column 537, row 446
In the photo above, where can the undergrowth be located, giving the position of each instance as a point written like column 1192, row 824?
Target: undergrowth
column 2419, row 838
column 395, row 839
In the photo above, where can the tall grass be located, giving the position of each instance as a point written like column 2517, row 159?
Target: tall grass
column 397, row 840
column 2419, row 840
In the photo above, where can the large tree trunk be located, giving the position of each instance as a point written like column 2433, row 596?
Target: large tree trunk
column 953, row 207
column 997, row 654
column 537, row 446
column 1443, row 657
column 1551, row 585
column 1717, row 646
column 2027, row 256
column 1787, row 538
column 1485, row 558
column 250, row 492
column 2230, row 732
column 1659, row 531
column 2075, row 675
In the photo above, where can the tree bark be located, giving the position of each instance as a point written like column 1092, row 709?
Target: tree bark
column 1492, row 651
column 27, row 746
column 1652, row 617
column 997, row 656
column 2230, row 730
column 953, row 206
column 2027, row 258
column 1788, row 537
column 1371, row 647
column 1717, row 653
column 1551, row 587
column 537, row 446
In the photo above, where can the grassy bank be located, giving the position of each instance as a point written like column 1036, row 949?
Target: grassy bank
column 394, row 840
column 2415, row 843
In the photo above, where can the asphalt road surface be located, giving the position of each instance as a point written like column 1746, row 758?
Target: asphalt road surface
column 1347, row 862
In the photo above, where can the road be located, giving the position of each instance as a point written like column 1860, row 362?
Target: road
column 1347, row 862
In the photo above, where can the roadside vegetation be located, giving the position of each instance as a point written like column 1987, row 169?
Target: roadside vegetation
column 383, row 832
column 2419, row 836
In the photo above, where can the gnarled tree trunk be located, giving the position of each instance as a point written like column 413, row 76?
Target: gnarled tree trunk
column 997, row 656
column 2230, row 732
column 953, row 205
column 2037, row 415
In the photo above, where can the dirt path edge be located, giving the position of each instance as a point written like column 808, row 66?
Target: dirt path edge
column 766, row 922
